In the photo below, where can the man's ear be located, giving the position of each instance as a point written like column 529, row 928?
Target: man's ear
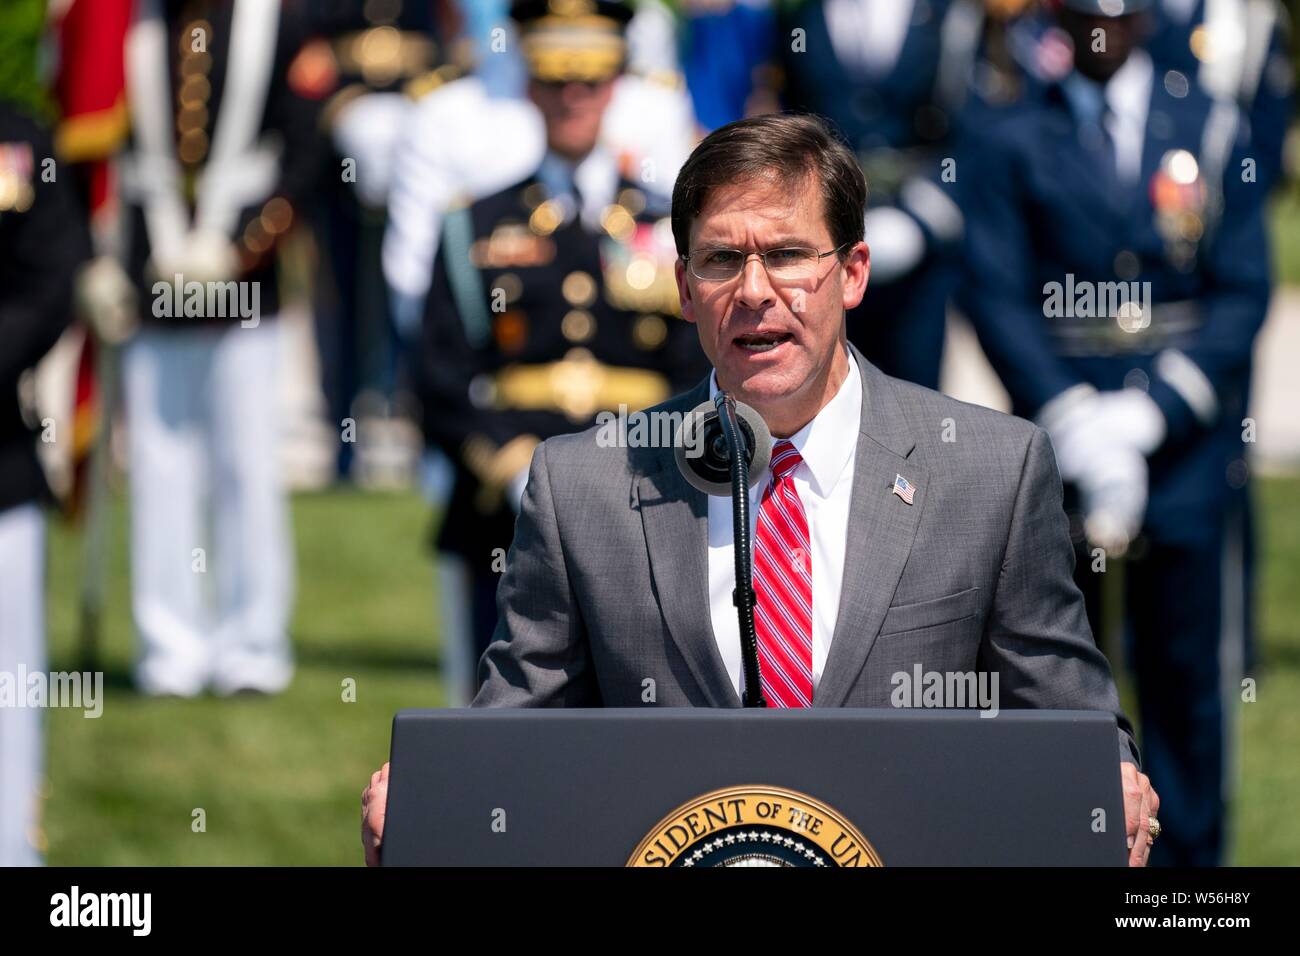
column 684, row 290
column 857, row 270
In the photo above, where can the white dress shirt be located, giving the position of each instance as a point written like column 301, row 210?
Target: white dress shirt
column 1121, row 103
column 1128, row 95
column 824, row 481
column 596, row 179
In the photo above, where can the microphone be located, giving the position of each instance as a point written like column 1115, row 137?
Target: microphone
column 720, row 445
column 703, row 455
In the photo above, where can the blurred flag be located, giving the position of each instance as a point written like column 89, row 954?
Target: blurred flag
column 90, row 87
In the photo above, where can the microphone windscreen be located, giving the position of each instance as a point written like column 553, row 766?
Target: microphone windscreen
column 700, row 448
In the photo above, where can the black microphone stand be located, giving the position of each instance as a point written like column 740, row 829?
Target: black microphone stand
column 743, row 594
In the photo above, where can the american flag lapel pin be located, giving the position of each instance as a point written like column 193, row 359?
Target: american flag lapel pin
column 904, row 488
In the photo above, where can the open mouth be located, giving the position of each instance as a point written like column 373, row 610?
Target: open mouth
column 762, row 341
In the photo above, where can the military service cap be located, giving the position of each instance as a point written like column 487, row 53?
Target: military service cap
column 573, row 40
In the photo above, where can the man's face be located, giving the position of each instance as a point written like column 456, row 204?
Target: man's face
column 778, row 347
column 573, row 112
column 1102, row 44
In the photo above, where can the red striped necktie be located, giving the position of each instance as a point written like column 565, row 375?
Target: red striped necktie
column 783, row 587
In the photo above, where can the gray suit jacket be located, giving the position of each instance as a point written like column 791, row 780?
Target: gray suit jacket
column 606, row 583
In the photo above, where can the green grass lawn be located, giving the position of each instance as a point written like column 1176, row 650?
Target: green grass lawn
column 279, row 779
column 1284, row 228
column 1267, row 831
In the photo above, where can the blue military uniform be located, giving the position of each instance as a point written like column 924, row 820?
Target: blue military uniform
column 896, row 114
column 1257, row 75
column 1257, row 72
column 723, row 49
column 1046, row 210
column 896, row 103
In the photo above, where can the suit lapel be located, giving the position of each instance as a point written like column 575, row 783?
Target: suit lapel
column 675, row 518
column 881, row 530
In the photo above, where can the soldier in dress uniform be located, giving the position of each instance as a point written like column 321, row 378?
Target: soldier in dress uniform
column 368, row 63
column 899, row 79
column 893, row 75
column 552, row 300
column 212, row 182
column 452, row 151
column 1117, row 273
column 43, row 240
column 1236, row 51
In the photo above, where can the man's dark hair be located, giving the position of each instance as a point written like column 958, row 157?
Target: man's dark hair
column 782, row 148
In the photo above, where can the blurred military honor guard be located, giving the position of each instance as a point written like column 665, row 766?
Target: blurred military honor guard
column 893, row 76
column 369, row 63
column 1234, row 50
column 211, row 184
column 1117, row 273
column 468, row 137
column 551, row 300
column 43, row 241
column 899, row 79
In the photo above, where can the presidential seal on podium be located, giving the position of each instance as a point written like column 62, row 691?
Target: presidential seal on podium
column 754, row 826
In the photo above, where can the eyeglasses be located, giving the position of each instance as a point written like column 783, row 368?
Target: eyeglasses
column 789, row 264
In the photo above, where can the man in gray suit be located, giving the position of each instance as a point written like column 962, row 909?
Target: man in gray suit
column 896, row 530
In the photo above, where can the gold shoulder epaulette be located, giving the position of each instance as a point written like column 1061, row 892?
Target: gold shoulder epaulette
column 424, row 84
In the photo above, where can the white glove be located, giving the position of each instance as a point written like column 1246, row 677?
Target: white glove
column 203, row 256
column 1113, row 490
column 1099, row 439
column 106, row 299
column 1072, row 422
column 1132, row 417
column 896, row 241
column 210, row 257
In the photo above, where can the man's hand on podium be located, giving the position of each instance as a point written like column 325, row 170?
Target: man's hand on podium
column 1141, row 807
column 374, row 804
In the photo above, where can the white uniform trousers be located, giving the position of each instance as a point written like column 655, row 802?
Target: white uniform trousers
column 22, row 650
column 211, row 566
